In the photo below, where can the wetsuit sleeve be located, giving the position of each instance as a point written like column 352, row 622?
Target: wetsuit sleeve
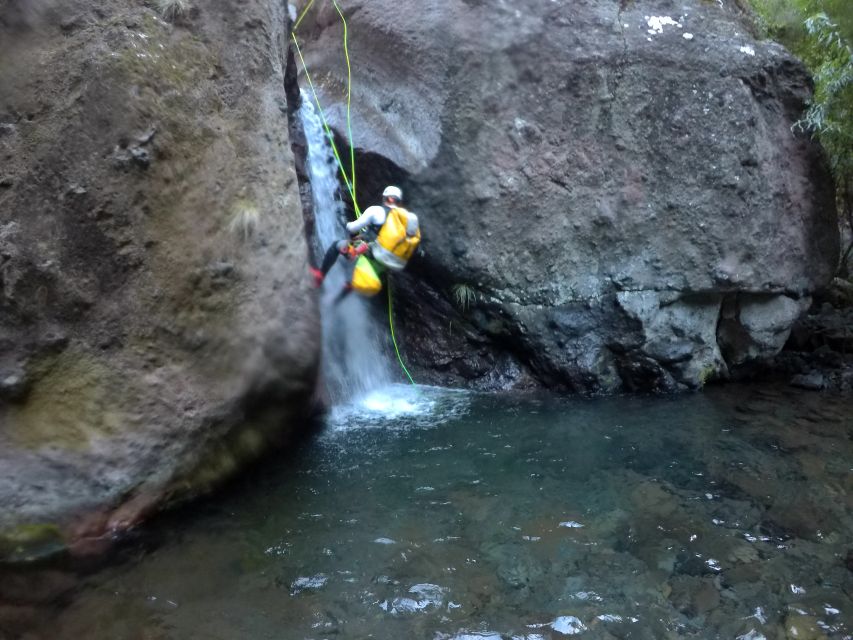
column 372, row 215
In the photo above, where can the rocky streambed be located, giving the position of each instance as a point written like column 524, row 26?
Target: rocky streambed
column 611, row 193
column 437, row 514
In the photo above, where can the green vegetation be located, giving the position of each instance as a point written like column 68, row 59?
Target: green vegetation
column 75, row 399
column 30, row 542
column 465, row 296
column 245, row 219
column 706, row 374
column 821, row 33
column 173, row 9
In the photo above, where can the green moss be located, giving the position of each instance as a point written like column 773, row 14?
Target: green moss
column 245, row 442
column 156, row 60
column 251, row 441
column 169, row 77
column 219, row 465
column 31, row 542
column 72, row 401
column 706, row 374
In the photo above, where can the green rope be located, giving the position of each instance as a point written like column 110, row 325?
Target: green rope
column 349, row 96
column 349, row 184
column 302, row 15
column 393, row 338
column 328, row 129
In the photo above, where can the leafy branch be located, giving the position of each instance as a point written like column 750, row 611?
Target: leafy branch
column 820, row 32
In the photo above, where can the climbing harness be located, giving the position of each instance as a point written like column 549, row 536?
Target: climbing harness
column 369, row 282
column 354, row 248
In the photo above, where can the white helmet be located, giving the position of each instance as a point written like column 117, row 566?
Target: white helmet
column 393, row 192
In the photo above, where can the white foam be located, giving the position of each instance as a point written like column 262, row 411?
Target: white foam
column 399, row 407
column 304, row 583
column 568, row 625
column 609, row 617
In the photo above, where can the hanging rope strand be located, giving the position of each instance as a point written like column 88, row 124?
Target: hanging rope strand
column 328, row 129
column 349, row 98
column 393, row 337
column 349, row 182
column 302, row 15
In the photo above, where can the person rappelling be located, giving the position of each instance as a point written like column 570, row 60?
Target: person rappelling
column 392, row 235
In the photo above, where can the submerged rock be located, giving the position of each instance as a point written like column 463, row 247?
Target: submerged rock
column 568, row 625
column 819, row 353
column 754, row 327
column 423, row 597
column 814, row 381
column 801, row 627
column 694, row 596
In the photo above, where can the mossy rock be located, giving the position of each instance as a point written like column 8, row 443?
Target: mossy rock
column 30, row 543
column 73, row 400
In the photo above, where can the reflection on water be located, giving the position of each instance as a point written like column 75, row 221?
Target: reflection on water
column 433, row 514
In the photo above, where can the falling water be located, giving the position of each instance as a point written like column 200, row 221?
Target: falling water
column 355, row 354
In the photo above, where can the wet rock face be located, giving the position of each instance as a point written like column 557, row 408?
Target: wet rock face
column 156, row 327
column 612, row 180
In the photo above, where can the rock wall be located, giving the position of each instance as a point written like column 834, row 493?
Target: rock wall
column 613, row 187
column 157, row 328
column 611, row 193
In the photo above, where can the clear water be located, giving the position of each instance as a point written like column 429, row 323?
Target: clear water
column 355, row 351
column 443, row 515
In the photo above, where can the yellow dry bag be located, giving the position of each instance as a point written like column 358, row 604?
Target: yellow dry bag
column 365, row 277
column 400, row 234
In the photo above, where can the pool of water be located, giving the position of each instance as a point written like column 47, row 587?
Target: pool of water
column 444, row 515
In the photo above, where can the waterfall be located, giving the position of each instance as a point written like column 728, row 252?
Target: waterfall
column 356, row 360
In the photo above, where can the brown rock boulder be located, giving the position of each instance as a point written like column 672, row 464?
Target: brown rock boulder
column 157, row 328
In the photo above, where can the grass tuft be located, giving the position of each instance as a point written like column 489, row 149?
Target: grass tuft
column 245, row 222
column 465, row 295
column 171, row 10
